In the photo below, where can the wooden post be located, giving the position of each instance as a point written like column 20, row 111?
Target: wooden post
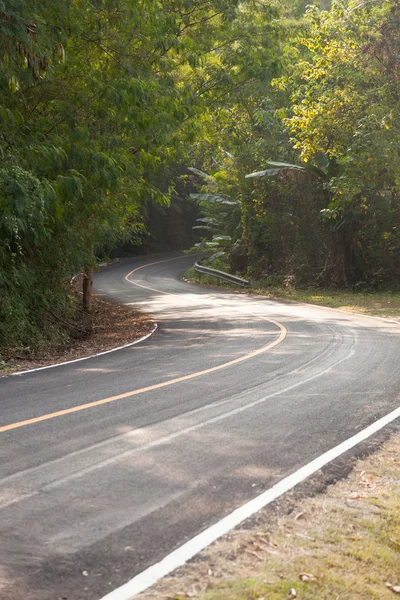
column 87, row 290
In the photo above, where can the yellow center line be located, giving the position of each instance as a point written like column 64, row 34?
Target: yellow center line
column 157, row 386
column 158, row 262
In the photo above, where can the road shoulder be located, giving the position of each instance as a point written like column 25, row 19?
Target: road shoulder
column 112, row 325
column 343, row 540
column 383, row 304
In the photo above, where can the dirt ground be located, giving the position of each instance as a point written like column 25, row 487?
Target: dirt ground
column 111, row 325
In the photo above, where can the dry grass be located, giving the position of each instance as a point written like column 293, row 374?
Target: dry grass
column 381, row 304
column 343, row 544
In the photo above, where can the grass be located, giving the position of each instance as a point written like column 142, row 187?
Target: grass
column 350, row 553
column 343, row 544
column 381, row 304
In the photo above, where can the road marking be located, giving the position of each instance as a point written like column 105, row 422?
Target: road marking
column 172, row 436
column 165, row 439
column 158, row 262
column 181, row 555
column 157, row 386
column 81, row 407
column 69, row 362
column 142, row 339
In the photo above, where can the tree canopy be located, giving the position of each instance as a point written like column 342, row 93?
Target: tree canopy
column 104, row 105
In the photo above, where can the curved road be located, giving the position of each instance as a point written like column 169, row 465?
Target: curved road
column 109, row 464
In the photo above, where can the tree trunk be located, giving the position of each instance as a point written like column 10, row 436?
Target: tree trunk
column 339, row 259
column 87, row 290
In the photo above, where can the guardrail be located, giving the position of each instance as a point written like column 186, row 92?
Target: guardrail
column 221, row 275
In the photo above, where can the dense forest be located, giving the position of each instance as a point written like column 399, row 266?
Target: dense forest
column 266, row 130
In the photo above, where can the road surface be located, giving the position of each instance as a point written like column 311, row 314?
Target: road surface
column 109, row 464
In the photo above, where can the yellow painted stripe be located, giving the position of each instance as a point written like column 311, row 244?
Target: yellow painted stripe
column 158, row 262
column 157, row 386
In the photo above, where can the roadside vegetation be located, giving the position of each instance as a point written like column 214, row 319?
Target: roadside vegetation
column 344, row 544
column 374, row 303
column 109, row 325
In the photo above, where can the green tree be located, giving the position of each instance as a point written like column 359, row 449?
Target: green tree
column 100, row 98
column 344, row 104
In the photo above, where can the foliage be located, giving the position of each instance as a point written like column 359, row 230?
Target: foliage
column 345, row 105
column 102, row 102
column 32, row 271
column 222, row 216
column 329, row 212
column 98, row 101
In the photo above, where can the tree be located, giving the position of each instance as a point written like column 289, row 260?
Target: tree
column 344, row 105
column 99, row 98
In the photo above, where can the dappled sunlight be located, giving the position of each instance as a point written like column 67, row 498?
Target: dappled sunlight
column 124, row 479
column 98, row 370
column 211, row 452
column 225, row 307
column 229, row 333
column 178, row 430
column 177, row 306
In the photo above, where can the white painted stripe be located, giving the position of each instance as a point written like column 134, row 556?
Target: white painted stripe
column 172, row 436
column 70, row 362
column 181, row 555
column 349, row 313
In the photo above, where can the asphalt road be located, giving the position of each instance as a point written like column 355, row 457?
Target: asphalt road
column 244, row 391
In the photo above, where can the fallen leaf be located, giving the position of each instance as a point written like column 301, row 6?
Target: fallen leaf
column 273, row 552
column 355, row 497
column 304, row 536
column 308, row 577
column 254, row 554
column 259, row 546
column 299, row 516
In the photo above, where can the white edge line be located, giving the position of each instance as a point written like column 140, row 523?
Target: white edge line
column 343, row 311
column 69, row 362
column 181, row 555
column 250, row 292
